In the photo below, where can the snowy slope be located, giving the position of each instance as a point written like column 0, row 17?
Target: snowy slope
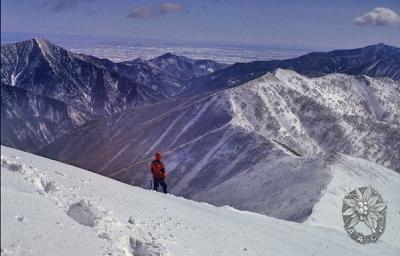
column 349, row 173
column 49, row 208
column 320, row 183
column 271, row 134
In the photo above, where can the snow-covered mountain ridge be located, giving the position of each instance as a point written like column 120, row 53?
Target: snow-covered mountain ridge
column 94, row 88
column 253, row 146
column 72, row 205
column 91, row 88
column 375, row 61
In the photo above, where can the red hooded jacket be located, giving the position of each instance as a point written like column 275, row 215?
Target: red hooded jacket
column 157, row 167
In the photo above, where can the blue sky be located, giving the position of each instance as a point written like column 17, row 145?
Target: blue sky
column 313, row 24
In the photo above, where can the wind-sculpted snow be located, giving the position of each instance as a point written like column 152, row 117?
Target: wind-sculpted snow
column 268, row 136
column 87, row 214
column 52, row 213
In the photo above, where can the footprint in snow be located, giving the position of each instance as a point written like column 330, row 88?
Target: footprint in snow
column 131, row 220
column 40, row 183
column 104, row 235
column 84, row 213
column 11, row 165
column 44, row 186
column 136, row 247
column 20, row 218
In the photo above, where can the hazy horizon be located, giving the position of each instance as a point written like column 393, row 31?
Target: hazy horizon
column 125, row 49
column 306, row 24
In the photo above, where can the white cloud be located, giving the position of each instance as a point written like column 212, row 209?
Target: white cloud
column 379, row 16
column 140, row 12
column 170, row 7
column 144, row 12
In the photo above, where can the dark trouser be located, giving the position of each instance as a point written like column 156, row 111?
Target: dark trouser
column 160, row 181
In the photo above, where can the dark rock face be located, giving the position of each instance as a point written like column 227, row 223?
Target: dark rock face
column 90, row 88
column 48, row 70
column 31, row 119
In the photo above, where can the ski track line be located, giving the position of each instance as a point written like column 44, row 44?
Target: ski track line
column 203, row 161
column 165, row 133
column 116, row 156
column 149, row 159
column 193, row 120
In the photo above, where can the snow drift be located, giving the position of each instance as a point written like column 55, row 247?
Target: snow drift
column 82, row 213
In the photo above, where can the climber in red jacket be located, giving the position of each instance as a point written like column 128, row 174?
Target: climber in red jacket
column 159, row 174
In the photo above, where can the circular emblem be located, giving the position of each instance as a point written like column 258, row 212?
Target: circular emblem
column 364, row 215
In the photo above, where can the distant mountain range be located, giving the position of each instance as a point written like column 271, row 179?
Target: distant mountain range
column 375, row 61
column 218, row 125
column 90, row 88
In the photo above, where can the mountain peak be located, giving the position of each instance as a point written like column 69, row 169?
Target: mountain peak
column 279, row 72
column 380, row 46
column 43, row 42
column 169, row 58
column 44, row 45
column 168, row 55
column 37, row 45
column 35, row 41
